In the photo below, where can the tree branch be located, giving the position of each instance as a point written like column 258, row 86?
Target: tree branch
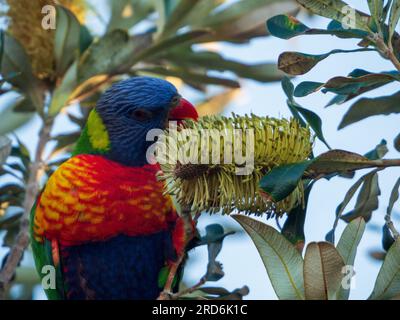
column 190, row 289
column 386, row 50
column 167, row 294
column 32, row 188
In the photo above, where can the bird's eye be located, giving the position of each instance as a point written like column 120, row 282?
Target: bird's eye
column 175, row 101
column 141, row 114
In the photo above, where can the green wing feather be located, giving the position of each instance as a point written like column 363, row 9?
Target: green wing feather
column 42, row 253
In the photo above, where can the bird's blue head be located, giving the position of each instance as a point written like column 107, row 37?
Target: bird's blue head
column 118, row 126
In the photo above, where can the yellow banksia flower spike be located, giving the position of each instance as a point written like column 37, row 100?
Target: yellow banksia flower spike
column 26, row 26
column 217, row 187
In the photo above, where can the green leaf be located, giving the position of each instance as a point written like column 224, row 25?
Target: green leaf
column 85, row 39
column 244, row 20
column 217, row 293
column 341, row 31
column 10, row 218
column 387, row 238
column 358, row 73
column 239, row 9
column 338, row 99
column 288, row 88
column 263, row 72
column 65, row 140
column 10, row 118
column 177, row 17
column 337, row 161
column 17, row 166
column 12, row 189
column 386, row 9
column 164, row 9
column 126, row 13
column 376, row 9
column 330, row 236
column 297, row 63
column 287, row 27
column 293, row 229
column 171, row 42
column 303, row 115
column 201, row 12
column 314, row 122
column 387, row 285
column 396, row 143
column 394, row 196
column 22, row 151
column 63, row 92
column 394, row 18
column 368, row 107
column 322, row 271
column 282, row 261
column 1, row 45
column 66, row 41
column 191, row 76
column 367, row 200
column 354, row 86
column 358, row 82
column 347, row 247
column 307, row 87
column 336, row 10
column 215, row 234
column 15, row 61
column 367, row 81
column 5, row 149
column 11, row 235
column 339, row 210
column 378, row 152
column 111, row 54
column 281, row 181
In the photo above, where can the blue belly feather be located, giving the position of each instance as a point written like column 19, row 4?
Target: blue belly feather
column 122, row 267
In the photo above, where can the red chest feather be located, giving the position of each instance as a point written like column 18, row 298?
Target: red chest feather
column 91, row 198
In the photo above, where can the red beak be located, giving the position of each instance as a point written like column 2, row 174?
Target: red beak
column 184, row 110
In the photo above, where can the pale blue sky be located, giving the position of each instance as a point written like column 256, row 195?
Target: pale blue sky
column 241, row 262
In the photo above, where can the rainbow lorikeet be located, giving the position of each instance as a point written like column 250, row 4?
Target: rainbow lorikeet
column 102, row 220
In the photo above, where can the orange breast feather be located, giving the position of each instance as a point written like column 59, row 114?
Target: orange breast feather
column 91, row 198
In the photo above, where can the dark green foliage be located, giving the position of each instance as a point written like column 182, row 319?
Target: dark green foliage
column 85, row 65
column 377, row 33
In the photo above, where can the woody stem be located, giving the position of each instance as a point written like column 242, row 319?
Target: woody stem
column 32, row 188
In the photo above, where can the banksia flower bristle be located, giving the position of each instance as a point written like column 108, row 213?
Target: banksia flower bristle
column 26, row 26
column 256, row 144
